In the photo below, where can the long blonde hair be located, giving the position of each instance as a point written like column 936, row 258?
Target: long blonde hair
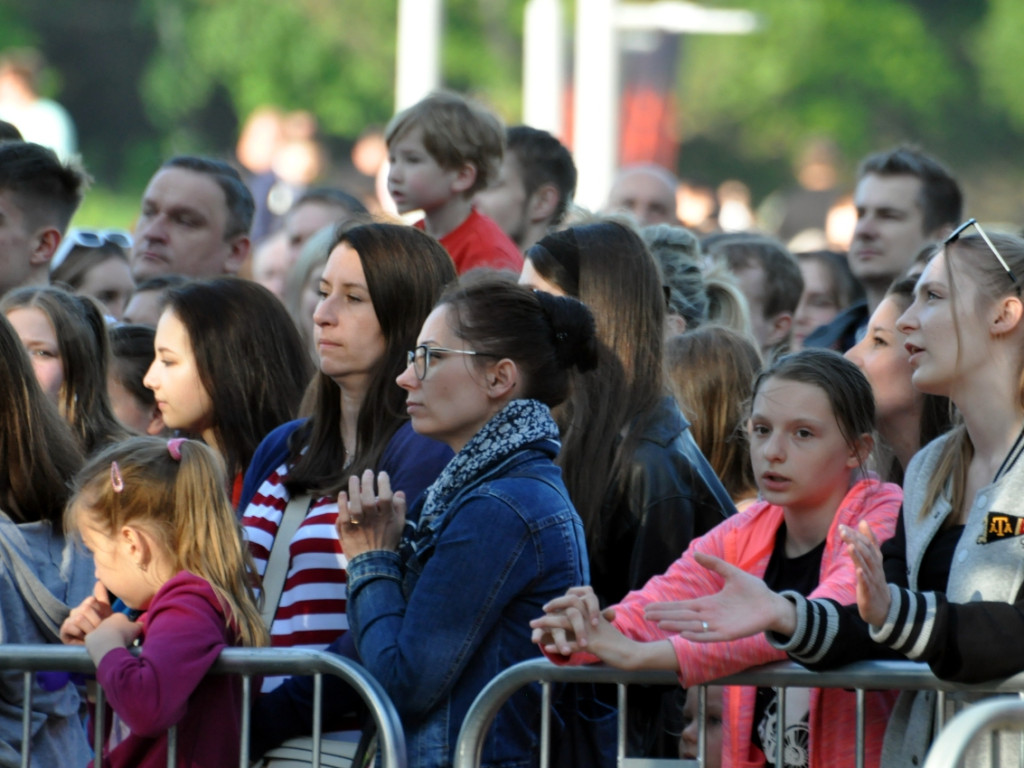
column 972, row 258
column 183, row 504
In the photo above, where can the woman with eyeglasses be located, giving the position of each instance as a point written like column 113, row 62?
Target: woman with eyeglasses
column 95, row 263
column 66, row 339
column 379, row 284
column 948, row 587
column 437, row 612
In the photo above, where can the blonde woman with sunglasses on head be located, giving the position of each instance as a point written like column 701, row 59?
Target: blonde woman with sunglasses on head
column 948, row 588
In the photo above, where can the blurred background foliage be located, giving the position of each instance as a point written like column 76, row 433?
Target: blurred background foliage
column 146, row 78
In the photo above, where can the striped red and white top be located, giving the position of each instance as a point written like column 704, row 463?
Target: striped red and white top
column 311, row 612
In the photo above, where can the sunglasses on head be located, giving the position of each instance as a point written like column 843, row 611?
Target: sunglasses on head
column 955, row 235
column 89, row 238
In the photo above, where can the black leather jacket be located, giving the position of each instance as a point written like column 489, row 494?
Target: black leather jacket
column 672, row 496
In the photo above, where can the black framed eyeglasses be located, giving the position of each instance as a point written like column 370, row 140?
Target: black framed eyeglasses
column 89, row 238
column 419, row 358
column 955, row 235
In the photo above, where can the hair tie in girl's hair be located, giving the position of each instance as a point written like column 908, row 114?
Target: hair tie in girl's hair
column 174, row 447
column 116, row 481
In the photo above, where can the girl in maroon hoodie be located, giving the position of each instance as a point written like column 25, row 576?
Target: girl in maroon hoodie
column 157, row 519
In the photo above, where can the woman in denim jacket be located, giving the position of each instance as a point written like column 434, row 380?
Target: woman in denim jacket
column 437, row 612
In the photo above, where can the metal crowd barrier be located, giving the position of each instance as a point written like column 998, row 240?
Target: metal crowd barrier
column 245, row 662
column 861, row 677
column 951, row 746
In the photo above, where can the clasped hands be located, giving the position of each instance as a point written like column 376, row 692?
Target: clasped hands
column 367, row 520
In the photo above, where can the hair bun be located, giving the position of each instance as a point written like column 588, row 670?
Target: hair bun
column 573, row 332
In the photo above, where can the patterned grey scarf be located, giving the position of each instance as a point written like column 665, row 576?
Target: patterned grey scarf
column 518, row 424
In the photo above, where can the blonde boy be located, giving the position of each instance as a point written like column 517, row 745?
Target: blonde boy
column 443, row 150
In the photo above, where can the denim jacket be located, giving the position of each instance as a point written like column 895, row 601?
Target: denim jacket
column 436, row 629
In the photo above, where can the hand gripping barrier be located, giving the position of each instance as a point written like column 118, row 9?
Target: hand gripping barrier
column 245, row 662
column 861, row 677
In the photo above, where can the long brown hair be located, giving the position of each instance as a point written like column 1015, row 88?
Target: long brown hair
column 406, row 270
column 84, row 350
column 606, row 265
column 38, row 452
column 970, row 258
column 249, row 357
column 711, row 370
column 183, row 504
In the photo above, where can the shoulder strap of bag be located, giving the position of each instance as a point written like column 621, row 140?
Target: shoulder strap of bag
column 47, row 611
column 280, row 555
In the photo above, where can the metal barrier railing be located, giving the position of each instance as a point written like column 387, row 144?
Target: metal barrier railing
column 982, row 718
column 245, row 662
column 861, row 677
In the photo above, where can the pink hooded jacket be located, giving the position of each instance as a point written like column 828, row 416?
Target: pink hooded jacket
column 747, row 540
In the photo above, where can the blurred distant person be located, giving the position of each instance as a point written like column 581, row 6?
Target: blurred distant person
column 95, row 263
column 271, row 262
column 904, row 199
column 646, row 191
column 534, row 188
column 38, row 119
column 314, row 210
column 769, row 277
column 38, row 196
column 261, row 135
column 829, row 288
column 148, row 301
column 195, row 219
column 803, row 207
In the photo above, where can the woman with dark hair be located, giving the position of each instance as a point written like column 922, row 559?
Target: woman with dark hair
column 620, row 423
column 66, row 338
column 131, row 353
column 38, row 458
column 493, row 538
column 907, row 417
column 229, row 367
column 379, row 283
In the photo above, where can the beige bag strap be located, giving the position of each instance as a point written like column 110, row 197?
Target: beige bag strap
column 280, row 555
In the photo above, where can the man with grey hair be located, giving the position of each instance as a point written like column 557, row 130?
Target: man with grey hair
column 647, row 191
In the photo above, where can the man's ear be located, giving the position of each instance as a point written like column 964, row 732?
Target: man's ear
column 465, row 178
column 542, row 203
column 45, row 243
column 502, row 378
column 240, row 247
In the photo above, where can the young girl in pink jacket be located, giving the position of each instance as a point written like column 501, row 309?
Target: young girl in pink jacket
column 810, row 431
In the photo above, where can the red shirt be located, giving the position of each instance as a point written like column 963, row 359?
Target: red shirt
column 479, row 242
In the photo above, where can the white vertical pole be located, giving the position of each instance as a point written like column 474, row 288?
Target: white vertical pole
column 596, row 96
column 418, row 69
column 544, row 65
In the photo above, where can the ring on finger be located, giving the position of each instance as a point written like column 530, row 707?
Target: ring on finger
column 703, row 626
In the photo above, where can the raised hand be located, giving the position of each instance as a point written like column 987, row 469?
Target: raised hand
column 86, row 616
column 369, row 521
column 873, row 599
column 744, row 606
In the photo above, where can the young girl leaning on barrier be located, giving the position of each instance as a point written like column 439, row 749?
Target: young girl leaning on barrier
column 157, row 519
column 810, row 430
column 948, row 588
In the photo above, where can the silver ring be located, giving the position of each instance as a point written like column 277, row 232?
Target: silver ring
column 703, row 626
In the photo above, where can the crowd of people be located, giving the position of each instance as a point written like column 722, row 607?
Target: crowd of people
column 498, row 428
